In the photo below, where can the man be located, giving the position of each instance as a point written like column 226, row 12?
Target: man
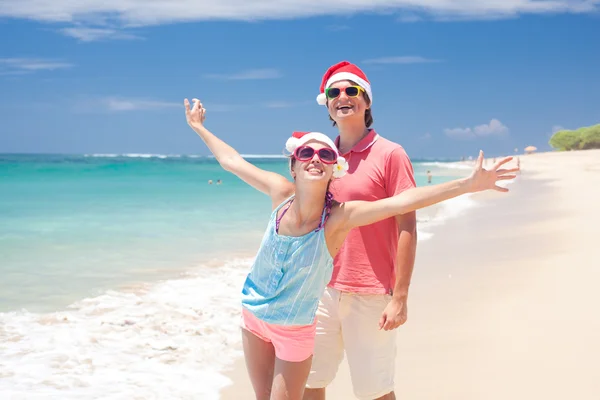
column 365, row 300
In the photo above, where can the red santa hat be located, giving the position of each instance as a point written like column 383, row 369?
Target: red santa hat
column 343, row 71
column 300, row 138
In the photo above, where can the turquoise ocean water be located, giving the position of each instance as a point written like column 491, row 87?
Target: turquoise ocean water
column 136, row 253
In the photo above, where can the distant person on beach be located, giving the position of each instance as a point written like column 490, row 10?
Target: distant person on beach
column 219, row 182
column 429, row 176
column 306, row 229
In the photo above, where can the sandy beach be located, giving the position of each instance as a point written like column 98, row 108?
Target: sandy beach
column 503, row 300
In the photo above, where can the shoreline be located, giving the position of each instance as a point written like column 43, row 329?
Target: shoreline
column 141, row 281
column 501, row 297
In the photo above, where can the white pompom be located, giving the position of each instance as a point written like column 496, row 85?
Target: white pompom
column 291, row 144
column 322, row 99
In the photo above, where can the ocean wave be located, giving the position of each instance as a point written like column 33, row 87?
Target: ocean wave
column 163, row 156
column 506, row 182
column 449, row 165
column 440, row 213
column 255, row 156
column 102, row 155
column 423, row 235
column 134, row 155
column 263, row 156
column 168, row 340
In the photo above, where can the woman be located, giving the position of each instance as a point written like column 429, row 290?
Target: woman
column 294, row 262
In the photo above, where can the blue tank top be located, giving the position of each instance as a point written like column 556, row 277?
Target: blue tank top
column 288, row 276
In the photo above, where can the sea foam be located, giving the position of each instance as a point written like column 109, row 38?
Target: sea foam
column 167, row 340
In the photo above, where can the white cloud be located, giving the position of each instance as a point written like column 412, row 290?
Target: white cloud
column 494, row 128
column 220, row 107
column 86, row 34
column 286, row 104
column 400, row 60
column 408, row 17
column 122, row 104
column 555, row 128
column 253, row 74
column 338, row 28
column 11, row 66
column 279, row 104
column 95, row 14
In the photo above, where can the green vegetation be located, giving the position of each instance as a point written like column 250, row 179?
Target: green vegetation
column 581, row 139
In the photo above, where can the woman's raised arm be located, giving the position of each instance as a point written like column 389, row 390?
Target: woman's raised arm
column 274, row 185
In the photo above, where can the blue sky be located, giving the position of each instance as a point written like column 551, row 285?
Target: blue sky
column 448, row 79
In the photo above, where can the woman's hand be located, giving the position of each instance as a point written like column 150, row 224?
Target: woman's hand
column 483, row 179
column 196, row 115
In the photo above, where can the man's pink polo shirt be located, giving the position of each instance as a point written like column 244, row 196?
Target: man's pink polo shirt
column 378, row 168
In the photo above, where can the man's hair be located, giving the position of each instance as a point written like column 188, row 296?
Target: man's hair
column 368, row 114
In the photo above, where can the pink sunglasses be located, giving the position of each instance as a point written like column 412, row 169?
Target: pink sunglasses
column 306, row 153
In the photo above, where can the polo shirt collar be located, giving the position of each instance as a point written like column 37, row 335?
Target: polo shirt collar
column 363, row 144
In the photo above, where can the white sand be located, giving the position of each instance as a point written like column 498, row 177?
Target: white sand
column 504, row 301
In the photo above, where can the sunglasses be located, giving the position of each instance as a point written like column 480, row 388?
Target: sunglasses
column 351, row 91
column 306, row 153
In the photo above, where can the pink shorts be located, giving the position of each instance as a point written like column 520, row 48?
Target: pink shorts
column 292, row 343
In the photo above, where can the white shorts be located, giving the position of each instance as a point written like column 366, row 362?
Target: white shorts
column 349, row 321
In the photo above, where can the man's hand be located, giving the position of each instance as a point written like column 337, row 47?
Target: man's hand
column 394, row 314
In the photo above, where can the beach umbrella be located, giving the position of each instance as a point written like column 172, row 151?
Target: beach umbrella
column 530, row 149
